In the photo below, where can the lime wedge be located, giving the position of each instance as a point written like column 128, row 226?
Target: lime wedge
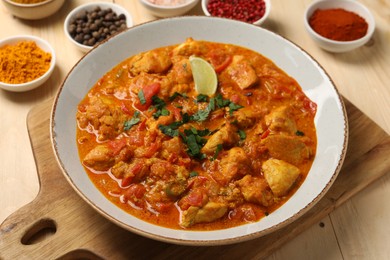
column 204, row 75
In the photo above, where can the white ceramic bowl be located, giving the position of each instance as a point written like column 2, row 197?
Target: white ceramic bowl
column 118, row 9
column 332, row 141
column 45, row 46
column 168, row 11
column 33, row 11
column 349, row 5
column 258, row 22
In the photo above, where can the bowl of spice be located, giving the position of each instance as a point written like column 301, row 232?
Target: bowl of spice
column 33, row 9
column 89, row 24
column 168, row 8
column 339, row 25
column 27, row 62
column 250, row 11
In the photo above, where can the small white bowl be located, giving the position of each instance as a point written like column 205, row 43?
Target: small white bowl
column 169, row 11
column 89, row 7
column 348, row 5
column 258, row 22
column 33, row 11
column 45, row 46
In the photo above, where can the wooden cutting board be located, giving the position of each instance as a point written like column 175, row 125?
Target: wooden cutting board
column 59, row 224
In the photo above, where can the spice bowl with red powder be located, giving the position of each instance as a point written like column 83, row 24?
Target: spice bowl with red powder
column 27, row 62
column 168, row 8
column 339, row 25
column 250, row 11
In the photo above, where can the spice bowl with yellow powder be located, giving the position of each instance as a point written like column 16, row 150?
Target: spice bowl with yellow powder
column 26, row 62
column 33, row 9
column 339, row 25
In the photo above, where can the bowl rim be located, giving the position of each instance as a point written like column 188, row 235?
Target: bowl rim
column 257, row 22
column 314, row 5
column 169, row 7
column 87, row 6
column 204, row 241
column 29, row 5
column 38, row 41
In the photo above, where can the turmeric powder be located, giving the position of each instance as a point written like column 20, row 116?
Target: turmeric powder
column 23, row 62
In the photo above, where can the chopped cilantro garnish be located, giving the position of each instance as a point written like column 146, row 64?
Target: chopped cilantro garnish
column 161, row 112
column 220, row 102
column 127, row 125
column 233, row 107
column 219, row 148
column 202, row 98
column 158, row 102
column 159, row 105
column 299, row 133
column 201, row 115
column 192, row 137
column 242, row 134
column 168, row 130
column 141, row 97
column 177, row 94
column 193, row 174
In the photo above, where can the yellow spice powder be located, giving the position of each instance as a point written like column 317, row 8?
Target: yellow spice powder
column 23, row 62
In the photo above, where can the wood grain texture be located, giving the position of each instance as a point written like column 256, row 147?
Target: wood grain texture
column 81, row 232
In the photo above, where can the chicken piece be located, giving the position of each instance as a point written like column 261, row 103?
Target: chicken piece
column 208, row 213
column 190, row 47
column 226, row 136
column 242, row 72
column 280, row 176
column 104, row 156
column 256, row 190
column 280, row 120
column 155, row 61
column 233, row 166
column 104, row 116
column 245, row 117
column 99, row 158
column 181, row 72
column 132, row 172
column 288, row 148
column 172, row 146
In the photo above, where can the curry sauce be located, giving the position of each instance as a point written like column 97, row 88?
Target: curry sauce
column 167, row 155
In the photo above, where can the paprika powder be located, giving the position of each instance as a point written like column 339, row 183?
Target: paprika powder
column 338, row 24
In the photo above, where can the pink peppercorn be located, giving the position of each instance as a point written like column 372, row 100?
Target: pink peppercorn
column 243, row 10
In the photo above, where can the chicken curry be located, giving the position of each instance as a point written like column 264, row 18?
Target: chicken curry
column 175, row 158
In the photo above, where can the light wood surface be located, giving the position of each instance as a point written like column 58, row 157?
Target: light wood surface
column 356, row 230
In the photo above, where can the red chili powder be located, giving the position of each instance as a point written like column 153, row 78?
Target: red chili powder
column 243, row 10
column 338, row 24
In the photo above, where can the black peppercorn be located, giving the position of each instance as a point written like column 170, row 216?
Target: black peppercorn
column 92, row 27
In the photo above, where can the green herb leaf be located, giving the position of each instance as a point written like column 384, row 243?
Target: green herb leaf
column 141, row 97
column 201, row 115
column 242, row 134
column 194, row 174
column 219, row 149
column 127, row 125
column 220, row 102
column 233, row 107
column 177, row 94
column 202, row 98
column 159, row 105
column 299, row 133
column 169, row 130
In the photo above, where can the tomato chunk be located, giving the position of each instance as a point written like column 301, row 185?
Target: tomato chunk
column 148, row 92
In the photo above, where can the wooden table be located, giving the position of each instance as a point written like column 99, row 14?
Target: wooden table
column 358, row 229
